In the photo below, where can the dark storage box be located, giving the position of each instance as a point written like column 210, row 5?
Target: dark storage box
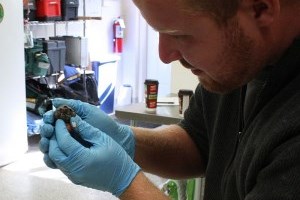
column 48, row 10
column 31, row 8
column 77, row 50
column 69, row 9
column 56, row 51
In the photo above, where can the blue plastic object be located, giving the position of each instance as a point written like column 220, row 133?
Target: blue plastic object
column 104, row 73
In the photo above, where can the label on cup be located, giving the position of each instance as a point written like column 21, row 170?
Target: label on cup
column 151, row 90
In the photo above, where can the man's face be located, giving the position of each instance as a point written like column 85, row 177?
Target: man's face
column 223, row 58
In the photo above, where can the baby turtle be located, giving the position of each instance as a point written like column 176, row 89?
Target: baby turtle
column 65, row 113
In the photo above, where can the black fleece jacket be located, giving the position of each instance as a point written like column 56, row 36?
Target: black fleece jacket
column 251, row 147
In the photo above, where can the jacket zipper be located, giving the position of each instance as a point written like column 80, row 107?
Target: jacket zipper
column 238, row 136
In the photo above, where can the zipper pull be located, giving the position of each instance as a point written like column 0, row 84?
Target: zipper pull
column 239, row 136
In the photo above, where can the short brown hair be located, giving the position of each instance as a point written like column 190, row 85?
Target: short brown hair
column 222, row 10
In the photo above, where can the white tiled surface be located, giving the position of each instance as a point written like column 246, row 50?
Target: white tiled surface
column 30, row 179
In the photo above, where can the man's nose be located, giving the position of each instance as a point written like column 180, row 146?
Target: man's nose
column 168, row 51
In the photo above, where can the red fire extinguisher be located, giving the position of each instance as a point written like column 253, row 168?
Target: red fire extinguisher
column 118, row 31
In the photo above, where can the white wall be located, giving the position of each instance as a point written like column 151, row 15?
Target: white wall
column 133, row 62
column 140, row 58
column 13, row 131
column 156, row 69
column 182, row 78
column 100, row 32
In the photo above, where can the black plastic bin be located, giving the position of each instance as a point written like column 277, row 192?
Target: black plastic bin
column 69, row 9
column 56, row 51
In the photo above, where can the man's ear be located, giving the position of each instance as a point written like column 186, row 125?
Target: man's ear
column 265, row 11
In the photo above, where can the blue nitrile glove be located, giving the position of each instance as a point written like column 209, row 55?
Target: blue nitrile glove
column 46, row 132
column 104, row 166
column 122, row 134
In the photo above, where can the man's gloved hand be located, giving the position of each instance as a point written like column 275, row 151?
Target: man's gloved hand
column 47, row 132
column 122, row 134
column 104, row 166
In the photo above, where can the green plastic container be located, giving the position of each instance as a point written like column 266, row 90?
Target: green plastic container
column 173, row 189
column 41, row 64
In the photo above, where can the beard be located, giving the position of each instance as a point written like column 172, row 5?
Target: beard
column 237, row 63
